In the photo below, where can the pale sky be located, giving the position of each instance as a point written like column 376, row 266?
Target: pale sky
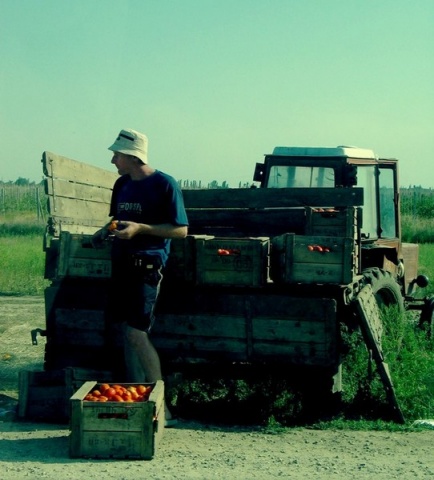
column 216, row 84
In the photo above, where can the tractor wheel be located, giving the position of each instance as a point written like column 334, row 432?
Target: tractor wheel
column 386, row 290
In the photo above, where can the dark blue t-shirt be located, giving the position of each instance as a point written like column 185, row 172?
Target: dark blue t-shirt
column 153, row 200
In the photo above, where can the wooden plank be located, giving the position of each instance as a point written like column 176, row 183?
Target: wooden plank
column 42, row 396
column 84, row 212
column 245, row 222
column 85, row 327
column 80, row 327
column 76, row 423
column 295, row 353
column 294, row 330
column 78, row 194
column 273, row 197
column 262, row 304
column 84, row 356
column 57, row 166
column 23, row 388
column 207, row 326
column 67, row 189
column 276, row 330
column 310, row 323
column 196, row 348
column 320, row 273
column 65, row 225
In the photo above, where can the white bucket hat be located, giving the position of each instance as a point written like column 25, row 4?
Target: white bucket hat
column 133, row 143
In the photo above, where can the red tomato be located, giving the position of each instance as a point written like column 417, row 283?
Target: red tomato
column 110, row 392
column 113, row 225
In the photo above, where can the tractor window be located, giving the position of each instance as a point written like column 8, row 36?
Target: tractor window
column 366, row 179
column 387, row 203
column 300, row 177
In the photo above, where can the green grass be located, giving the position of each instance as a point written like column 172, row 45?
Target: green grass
column 426, row 266
column 417, row 229
column 409, row 353
column 22, row 263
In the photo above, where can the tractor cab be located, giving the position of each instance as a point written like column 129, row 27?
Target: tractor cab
column 311, row 167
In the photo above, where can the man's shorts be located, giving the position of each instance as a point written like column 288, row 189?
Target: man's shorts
column 133, row 293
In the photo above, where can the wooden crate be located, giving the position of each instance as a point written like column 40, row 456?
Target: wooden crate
column 80, row 337
column 294, row 261
column 331, row 222
column 181, row 265
column 79, row 331
column 44, row 395
column 116, row 429
column 245, row 264
column 78, row 258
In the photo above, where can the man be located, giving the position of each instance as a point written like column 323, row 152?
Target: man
column 147, row 210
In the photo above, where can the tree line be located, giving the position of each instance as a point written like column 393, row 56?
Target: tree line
column 24, row 195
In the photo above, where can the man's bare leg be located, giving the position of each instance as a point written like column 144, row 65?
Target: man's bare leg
column 140, row 343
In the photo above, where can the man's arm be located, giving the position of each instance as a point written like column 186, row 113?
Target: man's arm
column 163, row 230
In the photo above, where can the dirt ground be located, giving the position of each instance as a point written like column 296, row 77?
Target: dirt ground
column 192, row 450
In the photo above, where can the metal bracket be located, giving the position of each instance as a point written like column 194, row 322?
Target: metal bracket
column 34, row 334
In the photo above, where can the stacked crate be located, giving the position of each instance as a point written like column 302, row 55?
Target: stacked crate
column 232, row 261
column 219, row 261
column 325, row 255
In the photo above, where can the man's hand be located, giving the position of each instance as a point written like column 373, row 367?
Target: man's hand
column 99, row 236
column 127, row 230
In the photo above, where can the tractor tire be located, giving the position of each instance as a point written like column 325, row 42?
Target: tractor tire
column 386, row 290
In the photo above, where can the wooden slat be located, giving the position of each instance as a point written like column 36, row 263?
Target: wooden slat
column 194, row 348
column 207, row 326
column 62, row 188
column 250, row 223
column 78, row 194
column 78, row 211
column 273, row 197
column 318, row 354
column 266, row 328
column 68, row 225
column 289, row 328
column 56, row 166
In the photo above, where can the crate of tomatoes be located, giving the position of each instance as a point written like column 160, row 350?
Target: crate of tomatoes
column 111, row 420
